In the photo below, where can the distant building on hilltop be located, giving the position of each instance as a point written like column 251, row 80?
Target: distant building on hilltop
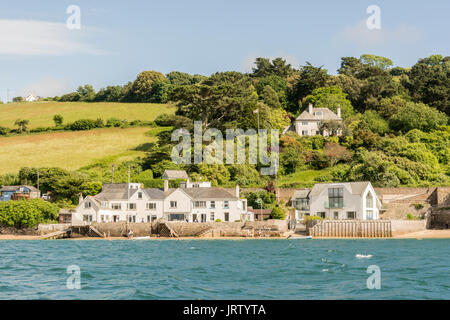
column 307, row 124
column 31, row 98
column 19, row 192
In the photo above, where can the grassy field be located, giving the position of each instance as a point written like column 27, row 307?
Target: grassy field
column 41, row 114
column 72, row 150
column 303, row 179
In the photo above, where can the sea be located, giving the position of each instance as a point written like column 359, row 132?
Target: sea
column 226, row 269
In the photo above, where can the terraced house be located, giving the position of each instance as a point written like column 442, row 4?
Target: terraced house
column 192, row 202
column 338, row 201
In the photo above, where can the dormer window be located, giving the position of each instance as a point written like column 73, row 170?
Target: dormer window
column 318, row 113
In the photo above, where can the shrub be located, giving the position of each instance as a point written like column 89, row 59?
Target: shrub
column 278, row 213
column 27, row 213
column 218, row 220
column 4, row 131
column 312, row 218
column 418, row 206
column 83, row 124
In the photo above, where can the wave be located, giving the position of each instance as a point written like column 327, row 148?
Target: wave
column 362, row 256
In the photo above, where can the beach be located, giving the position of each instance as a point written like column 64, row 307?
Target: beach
column 425, row 234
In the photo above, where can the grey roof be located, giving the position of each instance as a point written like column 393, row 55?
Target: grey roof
column 175, row 174
column 355, row 187
column 155, row 193
column 209, row 193
column 327, row 114
column 115, row 191
column 14, row 188
column 301, row 194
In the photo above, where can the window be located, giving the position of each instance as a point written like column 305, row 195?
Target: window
column 151, row 206
column 173, row 204
column 369, row 214
column 227, row 216
column 304, row 132
column 139, row 195
column 104, row 204
column 131, row 206
column 244, row 204
column 194, row 218
column 321, row 214
column 212, row 204
column 176, row 217
column 131, row 218
column 335, row 197
column 226, row 204
column 318, row 113
column 351, row 215
column 301, row 203
column 335, row 215
column 87, row 217
column 87, row 205
column 369, row 200
column 149, row 218
column 102, row 218
column 305, row 123
column 116, row 206
column 199, row 204
column 211, row 216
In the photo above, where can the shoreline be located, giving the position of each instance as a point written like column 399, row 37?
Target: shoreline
column 424, row 234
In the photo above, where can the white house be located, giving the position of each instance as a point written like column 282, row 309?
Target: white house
column 307, row 124
column 130, row 202
column 345, row 200
column 31, row 98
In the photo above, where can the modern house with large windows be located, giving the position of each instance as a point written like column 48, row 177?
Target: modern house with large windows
column 337, row 201
column 192, row 202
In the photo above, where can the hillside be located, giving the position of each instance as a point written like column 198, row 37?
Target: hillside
column 40, row 114
column 72, row 150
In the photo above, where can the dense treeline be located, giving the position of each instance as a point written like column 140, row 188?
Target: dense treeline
column 395, row 130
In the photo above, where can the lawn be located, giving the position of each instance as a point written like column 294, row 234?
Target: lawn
column 40, row 114
column 72, row 150
column 301, row 179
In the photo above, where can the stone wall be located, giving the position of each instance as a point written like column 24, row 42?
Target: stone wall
column 119, row 229
column 439, row 219
column 400, row 227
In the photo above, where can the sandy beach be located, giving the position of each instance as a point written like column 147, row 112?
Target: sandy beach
column 425, row 234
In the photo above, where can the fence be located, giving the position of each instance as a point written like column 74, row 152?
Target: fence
column 350, row 228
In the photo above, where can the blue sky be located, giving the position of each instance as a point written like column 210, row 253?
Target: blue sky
column 118, row 39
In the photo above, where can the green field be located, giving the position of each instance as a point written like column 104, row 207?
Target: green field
column 302, row 179
column 40, row 114
column 72, row 150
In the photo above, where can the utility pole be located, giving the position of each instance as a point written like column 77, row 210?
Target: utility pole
column 112, row 174
column 38, row 179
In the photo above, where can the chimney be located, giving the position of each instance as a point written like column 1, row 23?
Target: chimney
column 310, row 108
column 187, row 183
column 80, row 198
column 166, row 185
column 339, row 112
column 237, row 191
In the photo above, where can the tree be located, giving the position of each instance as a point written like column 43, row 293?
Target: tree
column 376, row 61
column 417, row 116
column 17, row 99
column 277, row 83
column 27, row 213
column 331, row 127
column 310, row 78
column 270, row 97
column 336, row 153
column 58, row 120
column 429, row 82
column 86, row 93
column 144, row 85
column 376, row 122
column 331, row 98
column 22, row 124
column 265, row 67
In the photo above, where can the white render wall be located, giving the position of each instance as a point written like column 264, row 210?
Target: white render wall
column 356, row 203
column 185, row 206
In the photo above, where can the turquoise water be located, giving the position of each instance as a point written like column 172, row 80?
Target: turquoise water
column 225, row 269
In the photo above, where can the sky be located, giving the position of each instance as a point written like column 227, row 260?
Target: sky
column 39, row 54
